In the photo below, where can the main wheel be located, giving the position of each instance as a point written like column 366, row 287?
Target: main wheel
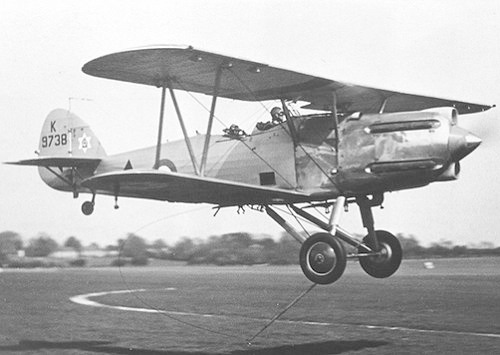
column 322, row 258
column 87, row 208
column 385, row 264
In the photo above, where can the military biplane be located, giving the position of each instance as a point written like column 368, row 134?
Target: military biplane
column 357, row 144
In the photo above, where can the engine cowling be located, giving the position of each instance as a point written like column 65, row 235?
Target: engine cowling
column 386, row 152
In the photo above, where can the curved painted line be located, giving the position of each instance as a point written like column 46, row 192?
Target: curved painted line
column 85, row 300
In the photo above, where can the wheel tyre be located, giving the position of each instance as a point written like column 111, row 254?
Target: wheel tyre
column 384, row 265
column 322, row 258
column 87, row 208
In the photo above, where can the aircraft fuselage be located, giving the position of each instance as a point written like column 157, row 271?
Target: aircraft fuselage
column 374, row 153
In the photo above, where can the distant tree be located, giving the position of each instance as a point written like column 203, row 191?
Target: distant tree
column 159, row 244
column 134, row 246
column 119, row 245
column 112, row 247
column 94, row 246
column 410, row 245
column 236, row 241
column 286, row 251
column 444, row 243
column 483, row 245
column 41, row 246
column 10, row 243
column 267, row 243
column 183, row 249
column 159, row 250
column 73, row 243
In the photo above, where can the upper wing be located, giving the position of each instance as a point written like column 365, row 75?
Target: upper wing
column 176, row 187
column 189, row 69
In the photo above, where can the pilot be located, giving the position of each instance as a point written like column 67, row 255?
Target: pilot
column 277, row 115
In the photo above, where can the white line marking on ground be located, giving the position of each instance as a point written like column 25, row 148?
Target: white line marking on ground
column 86, row 301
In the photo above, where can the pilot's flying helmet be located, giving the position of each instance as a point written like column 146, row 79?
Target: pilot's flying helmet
column 277, row 114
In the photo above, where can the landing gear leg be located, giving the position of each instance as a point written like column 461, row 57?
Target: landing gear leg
column 322, row 256
column 365, row 207
column 388, row 253
column 88, row 206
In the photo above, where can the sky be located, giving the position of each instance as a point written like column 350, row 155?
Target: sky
column 448, row 49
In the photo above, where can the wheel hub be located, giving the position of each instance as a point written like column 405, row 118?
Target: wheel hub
column 384, row 254
column 321, row 258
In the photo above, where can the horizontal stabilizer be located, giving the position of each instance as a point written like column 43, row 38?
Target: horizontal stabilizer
column 62, row 162
column 175, row 187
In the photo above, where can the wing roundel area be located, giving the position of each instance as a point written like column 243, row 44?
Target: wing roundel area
column 189, row 69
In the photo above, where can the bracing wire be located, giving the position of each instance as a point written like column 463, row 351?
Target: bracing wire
column 193, row 325
column 298, row 221
column 279, row 314
column 147, row 304
column 291, row 304
column 289, row 133
column 295, row 216
column 242, row 141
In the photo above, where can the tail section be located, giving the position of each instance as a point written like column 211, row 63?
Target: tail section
column 68, row 152
column 68, row 143
column 64, row 134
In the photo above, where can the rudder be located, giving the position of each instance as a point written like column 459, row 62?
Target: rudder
column 64, row 134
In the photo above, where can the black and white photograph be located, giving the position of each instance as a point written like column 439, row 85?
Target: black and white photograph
column 249, row 177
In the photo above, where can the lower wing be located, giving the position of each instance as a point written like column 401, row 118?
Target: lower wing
column 175, row 187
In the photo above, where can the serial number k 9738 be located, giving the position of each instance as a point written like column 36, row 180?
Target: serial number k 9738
column 54, row 140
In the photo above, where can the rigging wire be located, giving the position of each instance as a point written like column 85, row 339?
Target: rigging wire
column 193, row 325
column 252, row 150
column 298, row 221
column 279, row 314
column 295, row 216
column 291, row 304
column 147, row 304
column 289, row 133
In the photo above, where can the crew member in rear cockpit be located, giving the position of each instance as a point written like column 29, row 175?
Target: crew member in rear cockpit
column 277, row 115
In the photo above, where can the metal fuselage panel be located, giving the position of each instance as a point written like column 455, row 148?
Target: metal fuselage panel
column 376, row 153
column 265, row 158
column 228, row 159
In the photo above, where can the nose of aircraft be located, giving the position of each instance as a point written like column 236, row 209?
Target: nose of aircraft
column 462, row 143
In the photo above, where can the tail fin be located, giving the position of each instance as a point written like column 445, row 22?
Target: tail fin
column 64, row 134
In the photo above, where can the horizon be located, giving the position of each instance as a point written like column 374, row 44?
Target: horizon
column 454, row 54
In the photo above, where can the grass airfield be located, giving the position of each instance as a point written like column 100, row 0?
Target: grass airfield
column 451, row 309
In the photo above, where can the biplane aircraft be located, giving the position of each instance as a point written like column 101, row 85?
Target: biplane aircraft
column 357, row 144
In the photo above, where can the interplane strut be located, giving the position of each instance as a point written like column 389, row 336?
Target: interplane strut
column 184, row 131
column 210, row 120
column 160, row 127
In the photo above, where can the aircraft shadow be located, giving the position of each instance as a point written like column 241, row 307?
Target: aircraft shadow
column 321, row 348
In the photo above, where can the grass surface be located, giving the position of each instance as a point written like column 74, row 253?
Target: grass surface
column 450, row 309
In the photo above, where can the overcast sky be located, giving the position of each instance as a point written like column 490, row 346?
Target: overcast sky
column 447, row 49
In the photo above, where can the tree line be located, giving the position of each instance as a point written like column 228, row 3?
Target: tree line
column 227, row 249
column 243, row 248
